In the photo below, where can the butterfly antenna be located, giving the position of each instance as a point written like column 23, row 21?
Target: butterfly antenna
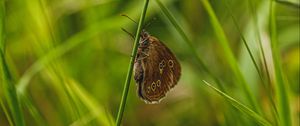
column 124, row 15
column 130, row 34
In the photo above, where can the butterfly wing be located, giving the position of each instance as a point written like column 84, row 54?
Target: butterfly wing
column 161, row 72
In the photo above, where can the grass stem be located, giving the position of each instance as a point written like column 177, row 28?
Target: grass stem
column 130, row 68
column 280, row 85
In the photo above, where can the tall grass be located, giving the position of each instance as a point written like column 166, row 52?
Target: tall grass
column 62, row 64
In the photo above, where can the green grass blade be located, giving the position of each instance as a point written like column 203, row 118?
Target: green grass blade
column 130, row 68
column 10, row 93
column 244, row 40
column 280, row 86
column 254, row 15
column 266, row 86
column 241, row 107
column 9, row 89
column 266, row 83
column 229, row 55
column 6, row 113
column 96, row 110
column 35, row 113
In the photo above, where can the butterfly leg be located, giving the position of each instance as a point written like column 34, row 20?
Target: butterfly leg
column 142, row 55
column 145, row 39
column 141, row 58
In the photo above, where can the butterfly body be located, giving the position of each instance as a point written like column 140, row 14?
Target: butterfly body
column 156, row 69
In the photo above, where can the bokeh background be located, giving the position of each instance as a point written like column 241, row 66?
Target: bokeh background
column 68, row 61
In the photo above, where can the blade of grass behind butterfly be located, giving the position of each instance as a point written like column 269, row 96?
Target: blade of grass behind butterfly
column 259, row 72
column 9, row 89
column 241, row 107
column 75, row 100
column 243, row 39
column 84, row 102
column 97, row 111
column 244, row 61
column 266, row 82
column 282, row 96
column 229, row 56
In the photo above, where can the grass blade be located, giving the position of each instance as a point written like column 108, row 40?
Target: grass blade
column 96, row 110
column 229, row 55
column 266, row 83
column 244, row 40
column 10, row 93
column 31, row 107
column 241, row 107
column 9, row 89
column 260, row 73
column 130, row 68
column 280, row 86
column 6, row 113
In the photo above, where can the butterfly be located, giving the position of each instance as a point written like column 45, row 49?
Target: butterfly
column 156, row 69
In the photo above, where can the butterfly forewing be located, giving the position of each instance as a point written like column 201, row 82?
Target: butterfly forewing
column 160, row 71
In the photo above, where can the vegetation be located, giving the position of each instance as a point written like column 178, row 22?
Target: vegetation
column 65, row 62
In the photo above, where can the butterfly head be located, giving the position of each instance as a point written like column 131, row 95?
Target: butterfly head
column 144, row 42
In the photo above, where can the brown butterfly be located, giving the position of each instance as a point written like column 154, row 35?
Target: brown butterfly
column 156, row 69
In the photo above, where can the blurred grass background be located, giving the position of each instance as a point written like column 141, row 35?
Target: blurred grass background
column 64, row 62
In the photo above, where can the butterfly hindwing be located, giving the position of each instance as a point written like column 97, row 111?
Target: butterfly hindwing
column 161, row 72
